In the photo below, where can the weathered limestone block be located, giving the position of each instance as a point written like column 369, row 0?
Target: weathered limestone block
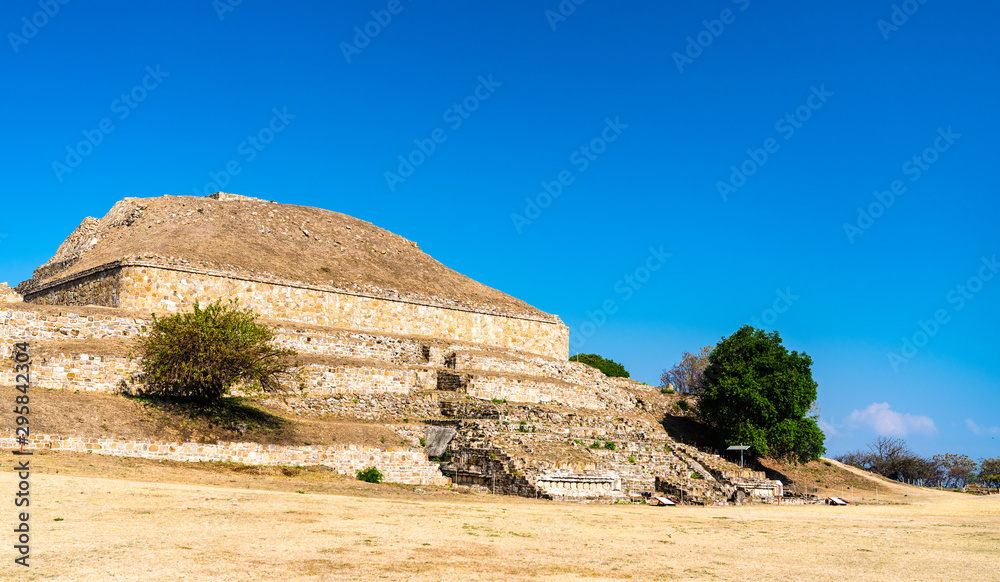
column 8, row 295
column 320, row 380
column 398, row 464
column 437, row 440
column 145, row 286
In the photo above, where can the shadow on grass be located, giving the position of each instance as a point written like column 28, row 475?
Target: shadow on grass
column 691, row 431
column 772, row 474
column 688, row 430
column 232, row 412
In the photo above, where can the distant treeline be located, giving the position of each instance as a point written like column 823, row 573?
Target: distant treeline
column 892, row 458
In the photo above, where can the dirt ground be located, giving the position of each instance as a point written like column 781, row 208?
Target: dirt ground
column 102, row 518
column 261, row 238
column 826, row 478
column 99, row 415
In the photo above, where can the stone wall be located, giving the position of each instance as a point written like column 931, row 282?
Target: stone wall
column 101, row 287
column 321, row 380
column 22, row 323
column 8, row 295
column 531, row 390
column 151, row 287
column 96, row 373
column 572, row 372
column 576, row 487
column 541, row 380
column 357, row 345
column 390, row 349
column 75, row 372
column 398, row 464
column 337, row 362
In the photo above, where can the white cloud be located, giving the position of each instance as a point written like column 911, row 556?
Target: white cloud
column 982, row 430
column 883, row 420
column 828, row 429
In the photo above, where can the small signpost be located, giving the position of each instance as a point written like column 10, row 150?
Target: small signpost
column 739, row 448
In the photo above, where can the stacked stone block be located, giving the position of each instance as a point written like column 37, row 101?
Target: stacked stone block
column 26, row 323
column 525, row 420
column 150, row 286
column 397, row 464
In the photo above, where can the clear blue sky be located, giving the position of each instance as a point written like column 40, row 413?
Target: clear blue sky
column 642, row 109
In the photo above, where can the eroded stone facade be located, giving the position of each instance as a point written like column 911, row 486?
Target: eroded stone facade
column 526, row 421
column 397, row 464
column 155, row 288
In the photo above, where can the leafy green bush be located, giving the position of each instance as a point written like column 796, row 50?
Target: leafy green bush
column 757, row 393
column 683, row 404
column 200, row 355
column 611, row 368
column 370, row 475
column 610, row 446
column 989, row 472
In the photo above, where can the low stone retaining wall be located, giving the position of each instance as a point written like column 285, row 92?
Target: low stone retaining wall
column 170, row 288
column 323, row 380
column 592, row 388
column 471, row 361
column 381, row 407
column 399, row 465
column 358, row 346
column 17, row 325
column 88, row 373
column 574, row 487
column 531, row 391
column 76, row 372
column 397, row 364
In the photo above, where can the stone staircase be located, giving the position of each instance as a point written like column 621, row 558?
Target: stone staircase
column 524, row 450
column 526, row 423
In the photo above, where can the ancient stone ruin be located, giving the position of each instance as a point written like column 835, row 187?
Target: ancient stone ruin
column 385, row 333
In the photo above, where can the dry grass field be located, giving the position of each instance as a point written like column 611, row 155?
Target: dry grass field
column 102, row 519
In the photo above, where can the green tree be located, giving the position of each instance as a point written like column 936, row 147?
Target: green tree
column 200, row 355
column 989, row 472
column 611, row 368
column 755, row 392
column 957, row 470
column 891, row 457
column 686, row 375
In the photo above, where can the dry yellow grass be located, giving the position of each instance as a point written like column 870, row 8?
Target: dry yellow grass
column 137, row 520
